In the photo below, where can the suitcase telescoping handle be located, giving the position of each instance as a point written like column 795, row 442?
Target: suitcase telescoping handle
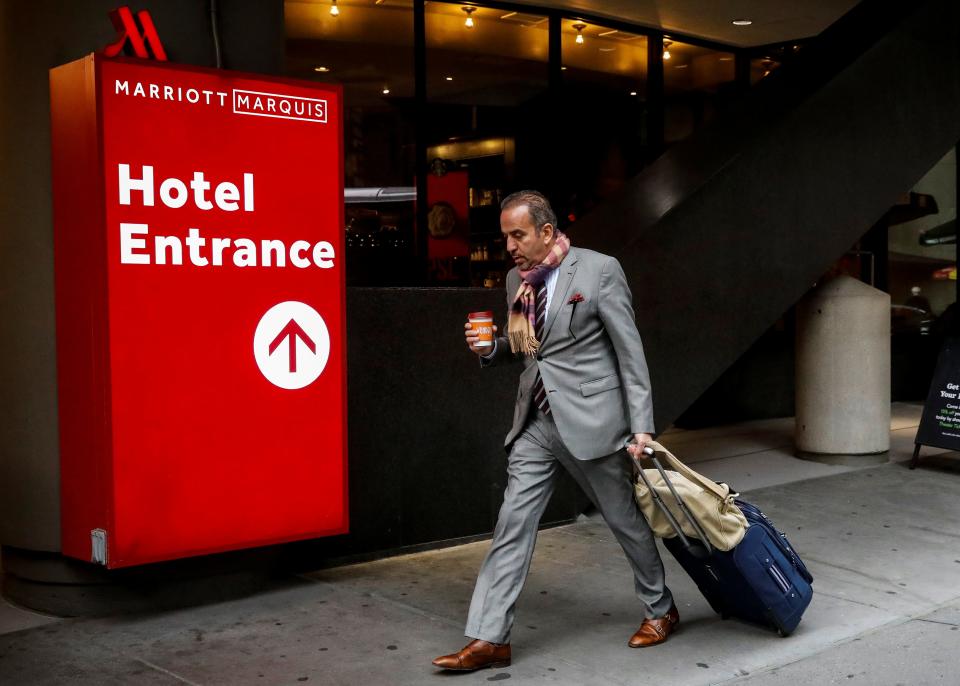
column 701, row 534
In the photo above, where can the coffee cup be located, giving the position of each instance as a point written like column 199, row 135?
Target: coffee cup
column 482, row 325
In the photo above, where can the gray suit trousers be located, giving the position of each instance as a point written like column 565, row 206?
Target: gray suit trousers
column 532, row 470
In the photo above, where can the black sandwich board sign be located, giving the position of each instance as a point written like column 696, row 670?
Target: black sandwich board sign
column 940, row 424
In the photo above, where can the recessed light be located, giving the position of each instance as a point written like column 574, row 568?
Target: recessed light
column 386, row 91
column 633, row 92
column 449, row 78
column 563, row 68
column 322, row 70
column 742, row 22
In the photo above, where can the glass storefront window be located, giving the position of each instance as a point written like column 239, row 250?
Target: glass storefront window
column 368, row 49
column 923, row 251
column 697, row 81
column 486, row 85
column 491, row 122
column 922, row 278
column 776, row 56
column 761, row 68
column 605, row 105
column 609, row 58
column 500, row 61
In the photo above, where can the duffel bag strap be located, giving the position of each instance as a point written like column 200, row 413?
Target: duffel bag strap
column 662, row 506
column 701, row 534
column 696, row 477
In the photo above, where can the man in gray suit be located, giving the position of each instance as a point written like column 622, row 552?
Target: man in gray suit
column 584, row 393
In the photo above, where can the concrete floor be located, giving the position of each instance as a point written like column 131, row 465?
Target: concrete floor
column 882, row 542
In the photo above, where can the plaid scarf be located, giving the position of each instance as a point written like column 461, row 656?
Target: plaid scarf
column 521, row 327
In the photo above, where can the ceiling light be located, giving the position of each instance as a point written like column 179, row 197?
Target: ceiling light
column 386, row 91
column 666, row 49
column 580, row 27
column 563, row 68
column 742, row 22
column 334, row 10
column 322, row 70
column 469, row 10
column 449, row 78
column 680, row 66
column 726, row 58
column 633, row 92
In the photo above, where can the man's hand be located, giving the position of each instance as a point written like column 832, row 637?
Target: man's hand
column 472, row 339
column 639, row 442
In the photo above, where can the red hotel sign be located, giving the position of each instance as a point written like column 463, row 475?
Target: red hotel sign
column 200, row 310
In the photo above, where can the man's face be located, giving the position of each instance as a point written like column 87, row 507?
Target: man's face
column 524, row 245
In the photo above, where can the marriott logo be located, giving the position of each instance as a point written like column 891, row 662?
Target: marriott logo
column 253, row 103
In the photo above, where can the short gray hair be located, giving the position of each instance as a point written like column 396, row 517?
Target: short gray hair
column 537, row 206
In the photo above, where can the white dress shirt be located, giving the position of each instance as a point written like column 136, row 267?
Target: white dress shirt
column 551, row 287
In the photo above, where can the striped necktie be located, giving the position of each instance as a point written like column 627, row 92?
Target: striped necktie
column 539, row 392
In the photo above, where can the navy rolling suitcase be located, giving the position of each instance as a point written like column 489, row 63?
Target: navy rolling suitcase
column 761, row 580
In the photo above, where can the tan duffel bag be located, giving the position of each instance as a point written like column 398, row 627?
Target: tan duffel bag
column 710, row 503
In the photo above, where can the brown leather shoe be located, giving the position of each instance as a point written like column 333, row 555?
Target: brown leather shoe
column 654, row 631
column 476, row 655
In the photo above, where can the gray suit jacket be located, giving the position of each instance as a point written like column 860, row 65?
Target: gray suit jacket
column 591, row 359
